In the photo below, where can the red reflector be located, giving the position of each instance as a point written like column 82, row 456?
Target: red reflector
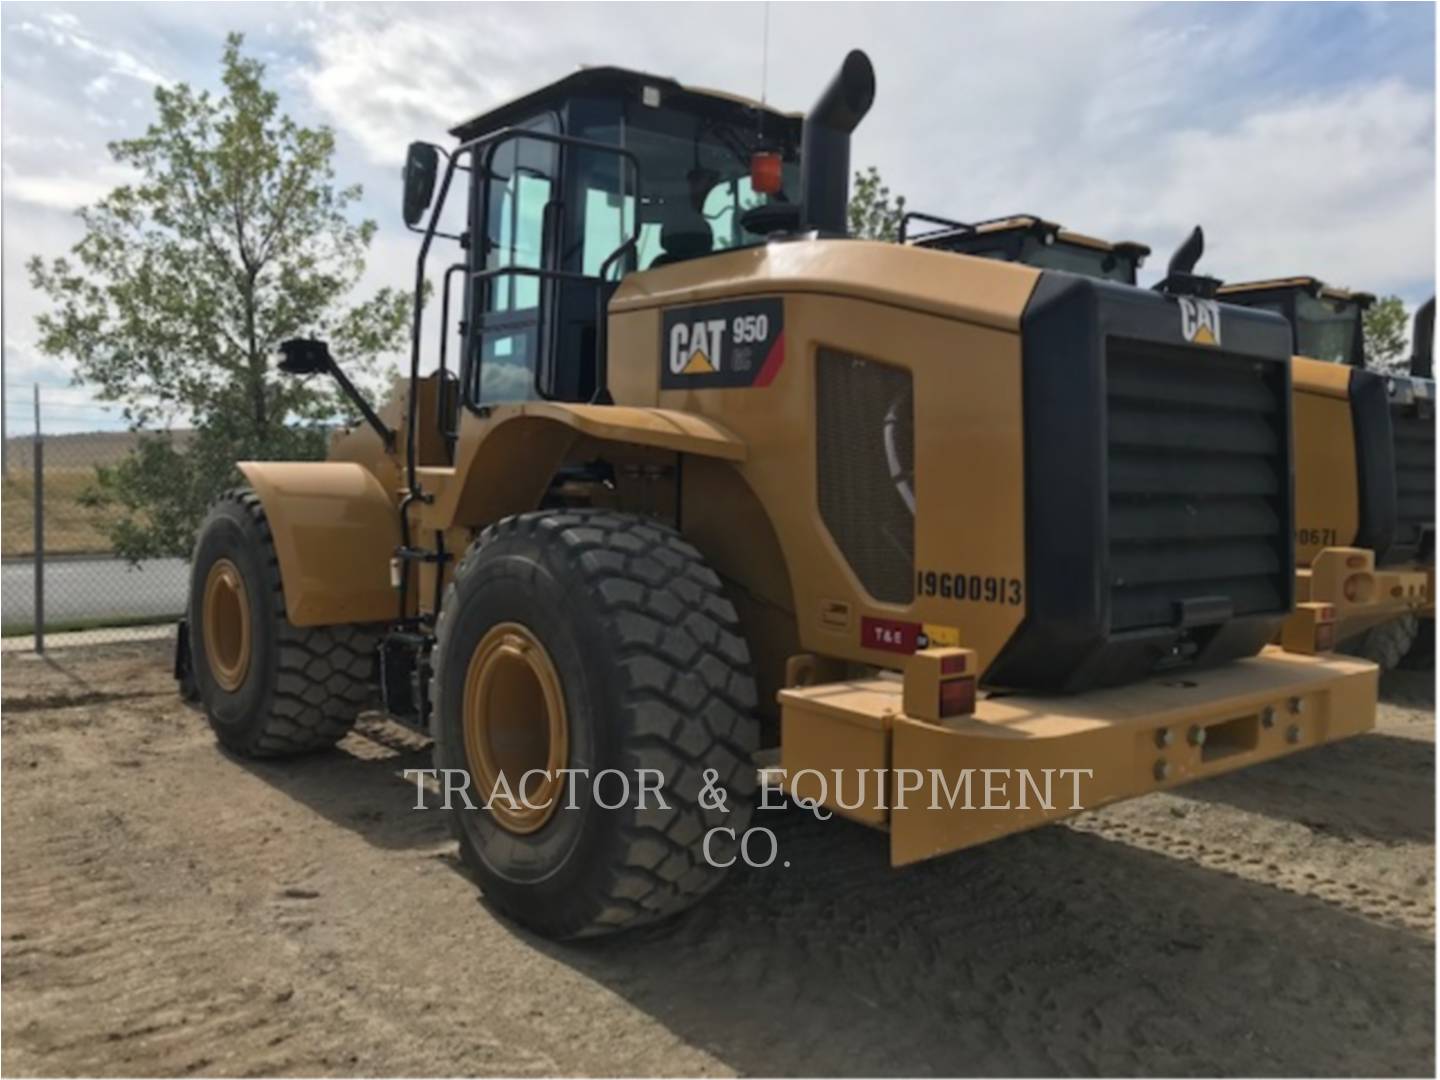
column 953, row 665
column 957, row 697
column 765, row 172
column 1355, row 561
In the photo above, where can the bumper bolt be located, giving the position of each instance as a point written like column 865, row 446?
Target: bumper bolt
column 1163, row 738
column 1297, row 706
column 1197, row 736
column 1267, row 716
column 1292, row 733
column 1162, row 770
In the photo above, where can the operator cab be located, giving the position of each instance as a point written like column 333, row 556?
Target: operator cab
column 600, row 174
column 1327, row 323
column 1025, row 238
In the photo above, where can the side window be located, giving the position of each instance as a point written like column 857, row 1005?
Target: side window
column 609, row 219
column 507, row 338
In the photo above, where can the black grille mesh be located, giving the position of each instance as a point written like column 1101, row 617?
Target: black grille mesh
column 865, row 450
column 1414, row 478
column 1198, row 472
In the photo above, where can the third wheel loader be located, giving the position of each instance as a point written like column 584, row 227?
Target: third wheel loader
column 693, row 485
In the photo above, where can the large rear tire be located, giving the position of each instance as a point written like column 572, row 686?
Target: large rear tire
column 1387, row 644
column 593, row 640
column 268, row 688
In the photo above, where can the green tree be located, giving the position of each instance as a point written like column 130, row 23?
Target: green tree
column 233, row 237
column 874, row 215
column 1387, row 345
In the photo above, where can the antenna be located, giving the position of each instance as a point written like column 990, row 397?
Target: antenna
column 765, row 54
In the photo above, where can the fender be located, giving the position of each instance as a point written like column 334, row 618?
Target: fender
column 335, row 531
column 504, row 462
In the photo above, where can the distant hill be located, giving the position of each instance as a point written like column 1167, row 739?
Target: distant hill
column 81, row 449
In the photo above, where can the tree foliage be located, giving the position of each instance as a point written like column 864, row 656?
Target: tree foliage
column 874, row 215
column 233, row 237
column 1387, row 343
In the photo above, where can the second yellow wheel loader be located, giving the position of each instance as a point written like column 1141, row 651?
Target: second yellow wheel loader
column 701, row 484
column 1364, row 445
column 1365, row 468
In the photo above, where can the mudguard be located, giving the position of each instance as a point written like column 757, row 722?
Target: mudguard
column 335, row 531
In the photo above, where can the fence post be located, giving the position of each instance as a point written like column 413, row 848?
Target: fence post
column 39, row 458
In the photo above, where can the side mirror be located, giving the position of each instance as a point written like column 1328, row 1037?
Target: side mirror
column 422, row 161
column 304, row 356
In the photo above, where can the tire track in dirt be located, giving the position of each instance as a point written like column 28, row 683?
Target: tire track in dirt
column 1384, row 907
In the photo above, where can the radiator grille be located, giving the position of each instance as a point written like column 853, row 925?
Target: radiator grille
column 866, row 468
column 1414, row 477
column 1199, row 483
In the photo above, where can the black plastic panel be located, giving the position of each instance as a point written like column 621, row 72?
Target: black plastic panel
column 1144, row 464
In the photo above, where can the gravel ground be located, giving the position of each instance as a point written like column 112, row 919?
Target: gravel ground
column 170, row 910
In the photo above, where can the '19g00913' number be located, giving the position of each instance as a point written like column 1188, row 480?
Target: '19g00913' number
column 977, row 588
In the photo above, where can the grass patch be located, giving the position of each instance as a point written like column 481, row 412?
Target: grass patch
column 71, row 528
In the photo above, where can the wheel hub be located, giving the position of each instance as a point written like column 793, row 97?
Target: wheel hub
column 515, row 727
column 227, row 625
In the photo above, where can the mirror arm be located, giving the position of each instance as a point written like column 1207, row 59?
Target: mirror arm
column 386, row 433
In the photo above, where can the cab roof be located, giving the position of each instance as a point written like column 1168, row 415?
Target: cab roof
column 1041, row 227
column 1313, row 286
column 617, row 82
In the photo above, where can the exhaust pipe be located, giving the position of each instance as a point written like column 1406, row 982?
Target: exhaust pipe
column 1422, row 346
column 825, row 145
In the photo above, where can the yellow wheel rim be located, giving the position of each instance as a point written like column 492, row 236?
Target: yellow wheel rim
column 515, row 727
column 227, row 625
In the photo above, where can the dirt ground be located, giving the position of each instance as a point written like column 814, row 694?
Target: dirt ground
column 170, row 910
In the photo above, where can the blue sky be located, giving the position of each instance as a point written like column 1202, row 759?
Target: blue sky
column 1301, row 135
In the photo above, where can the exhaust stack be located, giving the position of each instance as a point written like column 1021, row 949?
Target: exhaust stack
column 825, row 144
column 1422, row 346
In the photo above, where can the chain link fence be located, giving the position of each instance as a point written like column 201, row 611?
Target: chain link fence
column 60, row 572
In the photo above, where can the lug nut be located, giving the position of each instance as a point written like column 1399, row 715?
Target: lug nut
column 1297, row 706
column 1163, row 738
column 1292, row 733
column 1197, row 736
column 1267, row 716
column 1162, row 770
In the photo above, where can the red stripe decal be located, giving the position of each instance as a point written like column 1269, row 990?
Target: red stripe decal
column 771, row 367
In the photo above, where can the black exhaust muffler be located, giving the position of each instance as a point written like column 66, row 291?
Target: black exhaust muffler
column 825, row 144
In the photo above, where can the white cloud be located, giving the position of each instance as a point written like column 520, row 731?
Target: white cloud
column 61, row 32
column 63, row 189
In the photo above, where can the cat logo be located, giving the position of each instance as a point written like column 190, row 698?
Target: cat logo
column 695, row 348
column 1199, row 320
column 730, row 345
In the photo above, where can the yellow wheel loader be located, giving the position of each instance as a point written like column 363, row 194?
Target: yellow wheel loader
column 1364, row 472
column 702, row 495
column 1364, row 445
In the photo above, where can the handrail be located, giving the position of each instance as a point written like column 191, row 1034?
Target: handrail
column 442, row 368
column 946, row 225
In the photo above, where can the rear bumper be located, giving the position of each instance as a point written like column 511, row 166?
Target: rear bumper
column 951, row 784
column 1363, row 595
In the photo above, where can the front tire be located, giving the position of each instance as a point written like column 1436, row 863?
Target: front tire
column 1385, row 645
column 594, row 640
column 269, row 689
